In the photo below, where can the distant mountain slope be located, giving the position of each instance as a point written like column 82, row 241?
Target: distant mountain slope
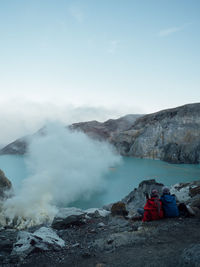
column 19, row 147
column 106, row 129
column 171, row 135
column 94, row 129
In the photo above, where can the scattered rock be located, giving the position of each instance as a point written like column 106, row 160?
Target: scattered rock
column 187, row 192
column 43, row 239
column 191, row 256
column 116, row 240
column 194, row 191
column 98, row 212
column 101, row 224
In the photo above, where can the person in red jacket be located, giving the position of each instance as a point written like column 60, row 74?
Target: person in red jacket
column 153, row 208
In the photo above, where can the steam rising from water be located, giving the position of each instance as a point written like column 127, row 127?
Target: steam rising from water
column 65, row 166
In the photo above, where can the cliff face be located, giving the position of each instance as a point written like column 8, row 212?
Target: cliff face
column 106, row 129
column 171, row 135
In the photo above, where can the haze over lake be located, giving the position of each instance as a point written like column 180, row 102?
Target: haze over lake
column 119, row 181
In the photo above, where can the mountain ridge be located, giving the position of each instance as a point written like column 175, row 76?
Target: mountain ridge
column 172, row 135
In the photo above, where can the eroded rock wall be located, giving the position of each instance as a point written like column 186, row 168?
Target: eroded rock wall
column 171, row 135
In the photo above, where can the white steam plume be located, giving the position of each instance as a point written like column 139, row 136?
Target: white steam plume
column 65, row 166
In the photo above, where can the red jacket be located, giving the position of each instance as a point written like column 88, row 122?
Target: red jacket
column 153, row 210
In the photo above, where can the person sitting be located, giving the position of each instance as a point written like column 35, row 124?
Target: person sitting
column 153, row 208
column 169, row 203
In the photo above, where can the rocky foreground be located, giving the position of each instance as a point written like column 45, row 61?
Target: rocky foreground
column 110, row 236
column 172, row 135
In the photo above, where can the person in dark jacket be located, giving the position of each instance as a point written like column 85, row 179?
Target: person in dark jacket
column 169, row 203
column 153, row 208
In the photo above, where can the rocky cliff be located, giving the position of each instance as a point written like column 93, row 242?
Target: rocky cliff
column 172, row 135
column 105, row 130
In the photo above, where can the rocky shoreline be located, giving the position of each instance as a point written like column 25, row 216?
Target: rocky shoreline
column 104, row 237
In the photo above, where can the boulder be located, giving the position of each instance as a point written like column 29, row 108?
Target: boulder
column 186, row 192
column 43, row 239
column 67, row 217
column 137, row 198
column 97, row 212
column 7, row 238
column 5, row 185
column 119, row 208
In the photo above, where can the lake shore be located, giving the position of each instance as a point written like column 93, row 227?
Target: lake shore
column 97, row 237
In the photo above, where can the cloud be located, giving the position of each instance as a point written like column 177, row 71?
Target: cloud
column 170, row 31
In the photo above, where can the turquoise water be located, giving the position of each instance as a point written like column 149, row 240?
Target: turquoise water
column 120, row 180
column 14, row 168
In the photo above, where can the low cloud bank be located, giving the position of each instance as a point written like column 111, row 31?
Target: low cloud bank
column 65, row 166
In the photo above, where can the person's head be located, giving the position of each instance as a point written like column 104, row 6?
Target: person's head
column 154, row 193
column 166, row 190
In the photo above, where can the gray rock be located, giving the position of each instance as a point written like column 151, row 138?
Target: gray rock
column 7, row 238
column 171, row 135
column 101, row 224
column 5, row 185
column 137, row 198
column 18, row 147
column 191, row 256
column 43, row 239
column 106, row 129
column 67, row 217
column 116, row 240
column 73, row 220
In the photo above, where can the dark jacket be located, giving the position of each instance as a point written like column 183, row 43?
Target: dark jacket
column 169, row 205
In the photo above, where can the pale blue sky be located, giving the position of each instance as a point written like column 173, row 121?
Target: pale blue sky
column 126, row 56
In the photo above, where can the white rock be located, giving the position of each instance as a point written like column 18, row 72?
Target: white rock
column 101, row 212
column 43, row 239
column 49, row 236
column 101, row 224
column 182, row 194
column 66, row 212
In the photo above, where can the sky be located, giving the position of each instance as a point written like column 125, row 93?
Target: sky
column 74, row 60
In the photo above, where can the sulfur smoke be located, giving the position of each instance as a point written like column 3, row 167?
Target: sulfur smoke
column 65, row 166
